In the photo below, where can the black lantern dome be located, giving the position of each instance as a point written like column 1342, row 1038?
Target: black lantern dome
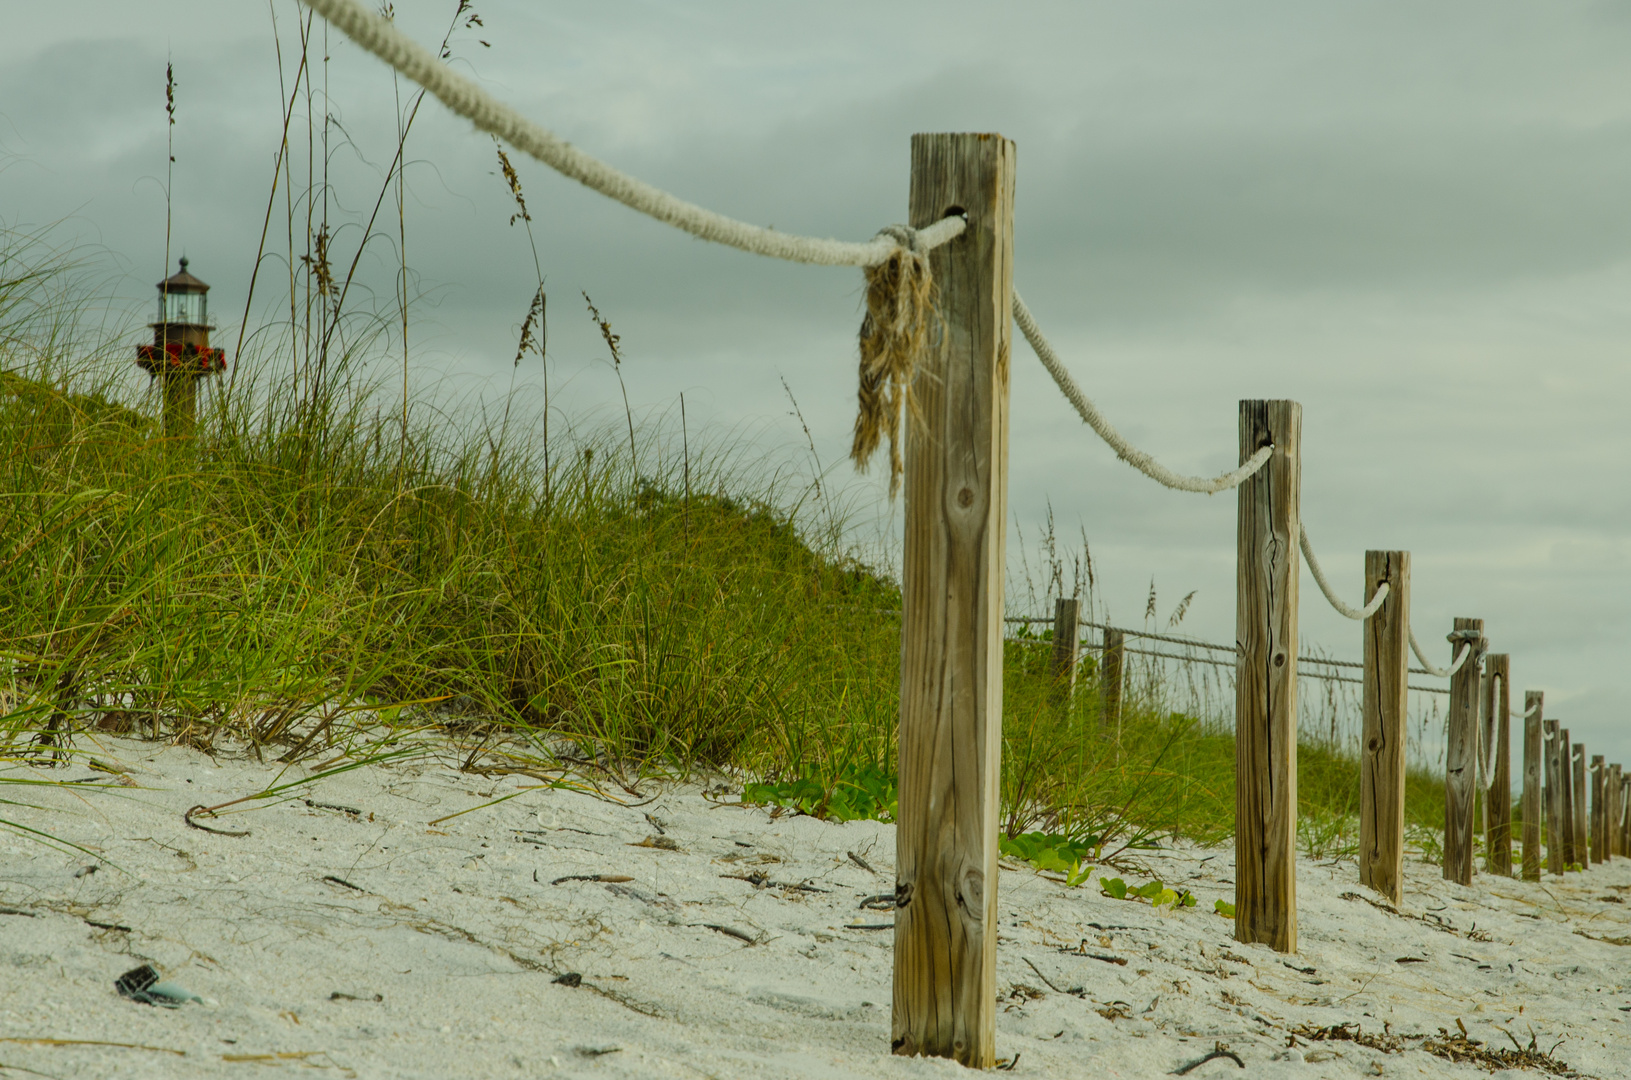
column 183, row 300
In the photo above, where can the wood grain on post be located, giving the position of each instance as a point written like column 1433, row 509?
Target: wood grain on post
column 1556, row 848
column 1498, row 799
column 1533, row 702
column 951, row 643
column 1565, row 772
column 1386, row 713
column 1062, row 666
column 1461, row 749
column 1578, row 796
column 1267, row 566
column 1599, row 809
column 1111, row 666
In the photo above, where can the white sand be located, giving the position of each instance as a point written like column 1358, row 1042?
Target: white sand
column 459, row 931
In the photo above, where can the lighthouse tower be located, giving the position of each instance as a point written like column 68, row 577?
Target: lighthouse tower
column 180, row 354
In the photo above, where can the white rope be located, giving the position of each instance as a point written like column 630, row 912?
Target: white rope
column 1440, row 673
column 1325, row 586
column 1089, row 412
column 464, row 97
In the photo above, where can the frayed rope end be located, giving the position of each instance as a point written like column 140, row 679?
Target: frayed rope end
column 894, row 335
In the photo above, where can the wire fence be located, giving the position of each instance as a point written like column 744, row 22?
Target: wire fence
column 1197, row 678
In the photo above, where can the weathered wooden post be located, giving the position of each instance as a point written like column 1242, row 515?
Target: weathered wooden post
column 1556, row 805
column 1615, row 812
column 1578, row 796
column 1625, row 813
column 1111, row 666
column 1566, row 793
column 1498, row 798
column 1460, row 754
column 1270, row 525
column 1533, row 700
column 951, row 646
column 1599, row 810
column 1386, row 713
column 1062, row 664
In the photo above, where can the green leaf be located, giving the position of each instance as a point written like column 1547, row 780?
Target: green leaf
column 1224, row 908
column 1113, row 887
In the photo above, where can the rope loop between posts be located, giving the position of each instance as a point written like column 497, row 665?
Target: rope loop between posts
column 1360, row 614
column 1437, row 672
column 1094, row 419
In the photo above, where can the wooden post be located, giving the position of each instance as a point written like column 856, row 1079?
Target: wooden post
column 1111, row 666
column 1556, row 805
column 1498, row 799
column 951, row 646
column 1386, row 713
column 1616, row 832
column 1599, row 810
column 1566, row 796
column 1625, row 814
column 1066, row 632
column 1460, row 764
column 1266, row 677
column 1533, row 702
column 1577, row 790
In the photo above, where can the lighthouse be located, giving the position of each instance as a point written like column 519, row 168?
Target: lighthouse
column 180, row 354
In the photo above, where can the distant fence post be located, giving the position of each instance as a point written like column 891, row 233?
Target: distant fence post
column 1386, row 713
column 1625, row 814
column 1532, row 709
column 1599, row 809
column 1616, row 812
column 952, row 603
column 1461, row 750
column 1066, row 633
column 1556, row 808
column 1577, row 792
column 1111, row 666
column 1269, row 528
column 1565, row 785
column 1498, row 799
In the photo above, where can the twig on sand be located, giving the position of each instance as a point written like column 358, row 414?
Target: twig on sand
column 1221, row 1050
column 24, row 1041
column 188, row 818
column 332, row 880
column 611, row 879
column 862, row 863
column 1077, row 991
column 731, row 931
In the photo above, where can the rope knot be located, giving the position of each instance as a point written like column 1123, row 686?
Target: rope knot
column 906, row 236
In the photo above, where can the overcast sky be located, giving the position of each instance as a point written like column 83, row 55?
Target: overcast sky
column 1414, row 219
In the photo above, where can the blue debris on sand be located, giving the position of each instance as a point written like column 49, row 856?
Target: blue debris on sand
column 143, row 985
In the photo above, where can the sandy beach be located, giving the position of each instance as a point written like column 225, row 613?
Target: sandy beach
column 560, row 933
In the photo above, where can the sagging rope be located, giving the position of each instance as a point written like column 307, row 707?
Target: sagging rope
column 380, row 37
column 1330, row 594
column 1094, row 419
column 1440, row 673
column 900, row 294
